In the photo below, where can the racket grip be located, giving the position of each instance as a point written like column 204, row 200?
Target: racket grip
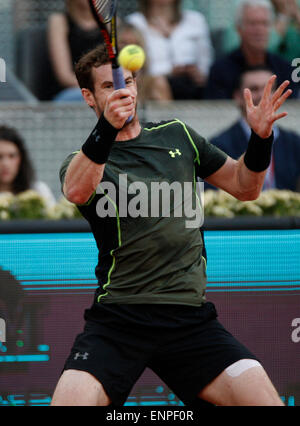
column 118, row 77
column 119, row 83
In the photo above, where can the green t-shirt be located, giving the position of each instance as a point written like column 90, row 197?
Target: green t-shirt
column 150, row 246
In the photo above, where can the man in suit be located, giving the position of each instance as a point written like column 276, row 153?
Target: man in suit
column 284, row 171
column 253, row 23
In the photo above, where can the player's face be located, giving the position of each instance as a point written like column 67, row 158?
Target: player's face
column 103, row 87
column 255, row 28
column 256, row 82
column 10, row 159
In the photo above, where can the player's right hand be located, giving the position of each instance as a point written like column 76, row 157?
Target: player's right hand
column 120, row 105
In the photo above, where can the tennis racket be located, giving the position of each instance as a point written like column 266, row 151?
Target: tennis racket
column 104, row 12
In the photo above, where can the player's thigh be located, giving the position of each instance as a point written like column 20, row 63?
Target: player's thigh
column 193, row 357
column 79, row 388
column 243, row 383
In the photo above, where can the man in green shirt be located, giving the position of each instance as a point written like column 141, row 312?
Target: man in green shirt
column 150, row 309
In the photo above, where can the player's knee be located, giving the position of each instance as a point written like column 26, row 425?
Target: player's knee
column 250, row 384
column 244, row 382
column 79, row 388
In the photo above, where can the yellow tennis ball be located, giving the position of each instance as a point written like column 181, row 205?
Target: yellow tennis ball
column 132, row 57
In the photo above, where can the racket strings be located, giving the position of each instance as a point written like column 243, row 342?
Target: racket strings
column 105, row 9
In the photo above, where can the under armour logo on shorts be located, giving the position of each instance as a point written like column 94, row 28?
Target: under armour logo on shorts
column 82, row 356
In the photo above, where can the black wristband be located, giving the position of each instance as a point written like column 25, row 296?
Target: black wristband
column 258, row 155
column 99, row 143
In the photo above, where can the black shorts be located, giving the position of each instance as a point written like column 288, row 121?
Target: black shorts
column 185, row 346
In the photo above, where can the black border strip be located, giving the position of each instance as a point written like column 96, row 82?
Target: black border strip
column 210, row 224
column 252, row 223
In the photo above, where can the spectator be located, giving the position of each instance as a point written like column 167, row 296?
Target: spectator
column 285, row 33
column 284, row 171
column 71, row 34
column 178, row 45
column 253, row 22
column 16, row 171
column 149, row 87
column 287, row 25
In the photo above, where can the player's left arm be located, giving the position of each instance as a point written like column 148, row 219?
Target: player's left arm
column 244, row 178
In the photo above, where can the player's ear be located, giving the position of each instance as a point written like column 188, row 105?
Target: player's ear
column 88, row 97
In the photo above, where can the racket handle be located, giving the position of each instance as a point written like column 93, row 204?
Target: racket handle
column 119, row 83
column 118, row 77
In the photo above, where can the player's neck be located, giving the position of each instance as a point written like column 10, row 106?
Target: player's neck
column 130, row 131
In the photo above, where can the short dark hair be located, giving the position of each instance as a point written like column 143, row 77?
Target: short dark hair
column 93, row 59
column 246, row 70
column 25, row 177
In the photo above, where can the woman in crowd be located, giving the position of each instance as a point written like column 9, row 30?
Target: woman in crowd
column 16, row 171
column 70, row 35
column 178, row 45
column 154, row 88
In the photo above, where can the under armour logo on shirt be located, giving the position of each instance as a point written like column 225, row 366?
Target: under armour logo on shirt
column 173, row 154
column 82, row 356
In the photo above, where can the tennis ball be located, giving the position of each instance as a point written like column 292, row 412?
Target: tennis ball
column 132, row 57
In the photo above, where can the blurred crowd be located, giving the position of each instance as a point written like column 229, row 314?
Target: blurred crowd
column 186, row 61
column 183, row 60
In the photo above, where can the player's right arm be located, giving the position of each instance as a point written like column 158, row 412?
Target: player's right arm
column 86, row 169
column 82, row 178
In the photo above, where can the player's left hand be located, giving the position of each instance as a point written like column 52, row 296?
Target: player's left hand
column 261, row 117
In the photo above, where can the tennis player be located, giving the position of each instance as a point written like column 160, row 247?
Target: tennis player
column 150, row 308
